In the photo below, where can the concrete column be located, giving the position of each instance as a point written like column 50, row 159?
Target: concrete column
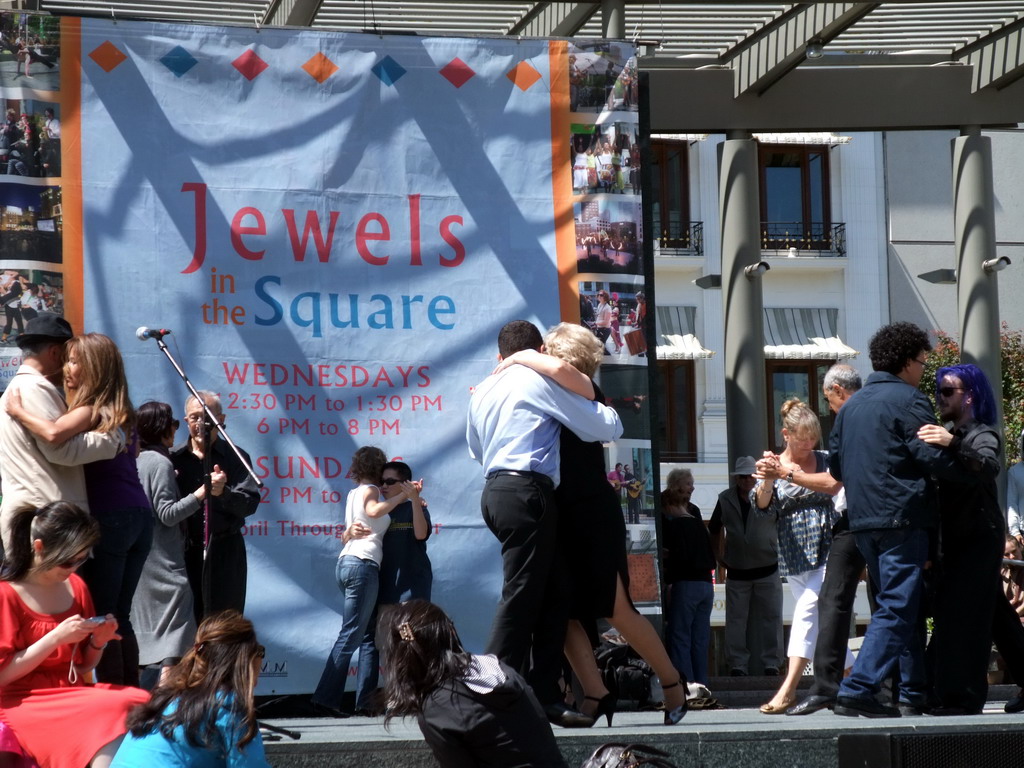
column 739, row 204
column 613, row 18
column 975, row 240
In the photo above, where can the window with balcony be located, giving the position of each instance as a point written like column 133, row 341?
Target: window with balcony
column 795, row 205
column 670, row 197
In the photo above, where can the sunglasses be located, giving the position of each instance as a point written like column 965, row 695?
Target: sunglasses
column 390, row 481
column 948, row 391
column 261, row 652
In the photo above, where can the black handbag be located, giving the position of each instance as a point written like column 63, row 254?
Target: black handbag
column 627, row 756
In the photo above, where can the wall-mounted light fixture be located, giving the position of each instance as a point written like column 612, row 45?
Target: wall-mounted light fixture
column 995, row 265
column 815, row 48
column 756, row 270
column 939, row 276
column 708, row 281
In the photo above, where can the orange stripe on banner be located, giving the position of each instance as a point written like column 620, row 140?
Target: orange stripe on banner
column 561, row 182
column 71, row 170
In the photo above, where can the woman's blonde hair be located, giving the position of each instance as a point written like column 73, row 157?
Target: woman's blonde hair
column 798, row 417
column 101, row 384
column 576, row 345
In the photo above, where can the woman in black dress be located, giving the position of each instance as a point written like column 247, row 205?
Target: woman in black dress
column 593, row 534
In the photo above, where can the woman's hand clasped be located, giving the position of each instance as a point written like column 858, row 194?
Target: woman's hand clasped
column 412, row 488
column 218, row 479
column 13, row 403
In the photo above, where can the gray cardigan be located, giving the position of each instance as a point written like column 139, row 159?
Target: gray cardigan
column 162, row 608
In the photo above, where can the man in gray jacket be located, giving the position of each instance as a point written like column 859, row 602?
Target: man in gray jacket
column 753, row 589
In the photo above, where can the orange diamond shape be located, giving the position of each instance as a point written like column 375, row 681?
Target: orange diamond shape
column 320, row 67
column 107, row 56
column 523, row 75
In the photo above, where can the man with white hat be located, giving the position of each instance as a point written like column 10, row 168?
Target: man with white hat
column 753, row 589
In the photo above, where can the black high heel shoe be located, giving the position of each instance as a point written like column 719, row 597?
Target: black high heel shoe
column 673, row 716
column 605, row 706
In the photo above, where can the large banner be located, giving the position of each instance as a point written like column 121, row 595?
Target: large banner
column 334, row 227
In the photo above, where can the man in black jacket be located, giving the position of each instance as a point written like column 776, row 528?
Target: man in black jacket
column 969, row 598
column 886, row 470
column 218, row 581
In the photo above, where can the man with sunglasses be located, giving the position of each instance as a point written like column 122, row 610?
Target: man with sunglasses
column 969, row 597
column 887, row 470
column 218, row 580
column 36, row 473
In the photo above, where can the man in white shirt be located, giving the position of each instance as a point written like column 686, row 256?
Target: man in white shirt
column 515, row 419
column 36, row 473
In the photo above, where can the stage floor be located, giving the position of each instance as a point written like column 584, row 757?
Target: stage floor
column 724, row 738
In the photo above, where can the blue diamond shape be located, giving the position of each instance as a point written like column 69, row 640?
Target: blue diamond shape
column 388, row 70
column 178, row 60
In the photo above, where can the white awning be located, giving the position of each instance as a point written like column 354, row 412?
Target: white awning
column 803, row 334
column 685, row 347
column 675, row 326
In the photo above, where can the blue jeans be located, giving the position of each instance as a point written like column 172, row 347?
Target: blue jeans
column 689, row 628
column 895, row 560
column 358, row 580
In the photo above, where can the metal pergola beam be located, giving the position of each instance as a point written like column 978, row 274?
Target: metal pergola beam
column 769, row 54
column 554, row 19
column 292, row 13
column 998, row 58
column 828, row 99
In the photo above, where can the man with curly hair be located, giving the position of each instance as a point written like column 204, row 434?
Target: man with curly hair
column 891, row 504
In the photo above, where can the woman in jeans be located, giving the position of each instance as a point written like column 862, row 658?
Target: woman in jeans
column 357, row 571
column 97, row 392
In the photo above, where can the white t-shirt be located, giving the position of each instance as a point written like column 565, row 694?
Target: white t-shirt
column 369, row 547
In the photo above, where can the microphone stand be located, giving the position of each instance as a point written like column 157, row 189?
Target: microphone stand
column 210, row 423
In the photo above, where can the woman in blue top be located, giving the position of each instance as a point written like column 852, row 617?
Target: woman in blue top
column 202, row 715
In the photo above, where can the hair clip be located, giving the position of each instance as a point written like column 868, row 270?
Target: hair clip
column 199, row 647
column 405, row 632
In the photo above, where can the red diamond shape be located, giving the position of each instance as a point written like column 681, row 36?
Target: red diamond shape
column 249, row 64
column 457, row 72
column 107, row 56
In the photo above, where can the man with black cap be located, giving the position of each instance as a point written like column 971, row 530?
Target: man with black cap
column 34, row 472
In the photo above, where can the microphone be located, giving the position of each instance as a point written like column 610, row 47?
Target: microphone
column 144, row 333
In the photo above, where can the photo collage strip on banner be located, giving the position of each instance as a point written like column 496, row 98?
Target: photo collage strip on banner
column 607, row 213
column 32, row 268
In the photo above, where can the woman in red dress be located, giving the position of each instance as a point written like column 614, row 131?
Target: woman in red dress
column 49, row 644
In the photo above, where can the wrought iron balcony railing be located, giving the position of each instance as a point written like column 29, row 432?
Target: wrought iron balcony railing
column 808, row 239
column 682, row 236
